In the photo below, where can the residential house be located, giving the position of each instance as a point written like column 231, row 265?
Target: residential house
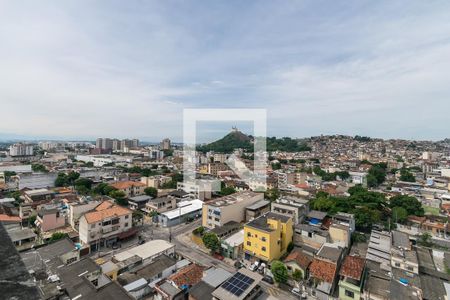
column 266, row 238
column 107, row 223
column 232, row 246
column 38, row 195
column 130, row 188
column 138, row 202
column 228, row 208
column 244, row 284
column 351, row 278
column 324, row 270
column 212, row 278
column 49, row 219
column 297, row 260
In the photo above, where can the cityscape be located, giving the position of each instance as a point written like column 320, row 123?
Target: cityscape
column 224, row 150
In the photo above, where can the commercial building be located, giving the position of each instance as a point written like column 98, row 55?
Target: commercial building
column 266, row 238
column 107, row 223
column 143, row 254
column 228, row 208
column 189, row 209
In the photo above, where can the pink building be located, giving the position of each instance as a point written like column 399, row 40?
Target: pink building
column 49, row 219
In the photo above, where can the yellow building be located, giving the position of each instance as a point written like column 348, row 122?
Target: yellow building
column 266, row 238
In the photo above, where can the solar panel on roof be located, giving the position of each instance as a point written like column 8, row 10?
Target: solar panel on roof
column 237, row 284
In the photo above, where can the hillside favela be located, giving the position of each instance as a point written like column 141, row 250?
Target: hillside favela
column 224, row 150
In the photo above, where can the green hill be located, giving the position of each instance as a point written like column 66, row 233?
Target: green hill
column 237, row 139
column 228, row 143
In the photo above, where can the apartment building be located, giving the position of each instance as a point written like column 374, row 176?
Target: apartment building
column 266, row 238
column 21, row 149
column 156, row 181
column 228, row 208
column 291, row 206
column 130, row 188
column 106, row 224
column 201, row 190
column 77, row 209
column 160, row 205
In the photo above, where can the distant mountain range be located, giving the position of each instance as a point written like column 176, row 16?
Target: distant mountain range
column 236, row 139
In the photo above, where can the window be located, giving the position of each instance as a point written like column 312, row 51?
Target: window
column 349, row 294
column 263, row 249
column 409, row 268
column 126, row 217
column 248, row 243
column 249, row 234
column 115, row 221
column 126, row 224
column 263, row 239
column 106, row 223
column 310, row 234
column 93, row 225
column 397, row 265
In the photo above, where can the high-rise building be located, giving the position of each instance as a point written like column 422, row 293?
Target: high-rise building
column 165, row 144
column 21, row 149
column 115, row 144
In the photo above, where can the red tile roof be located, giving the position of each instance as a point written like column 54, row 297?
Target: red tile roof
column 122, row 185
column 323, row 270
column 300, row 258
column 106, row 209
column 353, row 267
column 189, row 275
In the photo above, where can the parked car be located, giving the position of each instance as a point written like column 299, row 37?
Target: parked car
column 254, row 266
column 115, row 246
column 261, row 268
column 141, row 242
column 268, row 279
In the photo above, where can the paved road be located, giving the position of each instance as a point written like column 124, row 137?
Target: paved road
column 179, row 235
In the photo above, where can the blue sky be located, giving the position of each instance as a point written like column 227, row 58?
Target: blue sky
column 82, row 69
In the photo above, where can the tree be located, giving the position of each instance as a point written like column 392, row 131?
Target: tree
column 119, row 196
column 272, row 194
column 227, row 190
column 399, row 214
column 151, row 191
column 407, row 176
column 87, row 183
column 276, row 166
column 297, row 275
column 376, row 174
column 57, row 236
column 211, row 241
column 199, row 230
column 409, row 203
column 39, row 168
column 279, row 271
column 61, row 180
column 425, row 240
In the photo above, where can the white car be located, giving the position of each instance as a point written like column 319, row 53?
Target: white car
column 254, row 266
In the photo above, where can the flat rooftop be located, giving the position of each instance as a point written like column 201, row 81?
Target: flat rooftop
column 233, row 198
column 144, row 251
column 261, row 222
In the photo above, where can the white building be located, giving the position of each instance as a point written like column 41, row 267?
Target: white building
column 21, row 149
